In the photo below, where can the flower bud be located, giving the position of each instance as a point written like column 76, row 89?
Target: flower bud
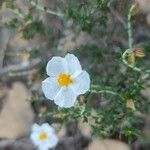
column 139, row 52
column 131, row 58
column 130, row 104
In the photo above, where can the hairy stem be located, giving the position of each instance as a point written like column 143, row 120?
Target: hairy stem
column 106, row 91
column 130, row 38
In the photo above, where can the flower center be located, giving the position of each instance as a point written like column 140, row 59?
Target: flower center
column 64, row 79
column 43, row 136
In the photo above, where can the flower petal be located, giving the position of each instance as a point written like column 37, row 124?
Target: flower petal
column 65, row 98
column 35, row 127
column 49, row 143
column 81, row 83
column 56, row 66
column 35, row 138
column 50, row 88
column 53, row 140
column 73, row 63
column 47, row 128
column 43, row 147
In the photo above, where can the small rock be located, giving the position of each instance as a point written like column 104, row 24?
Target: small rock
column 108, row 145
column 85, row 129
column 144, row 5
column 145, row 8
column 60, row 130
column 16, row 116
column 77, row 142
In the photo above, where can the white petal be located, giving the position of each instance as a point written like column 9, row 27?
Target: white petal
column 65, row 98
column 53, row 140
column 47, row 128
column 49, row 143
column 43, row 146
column 35, row 127
column 50, row 88
column 73, row 63
column 56, row 66
column 35, row 138
column 81, row 83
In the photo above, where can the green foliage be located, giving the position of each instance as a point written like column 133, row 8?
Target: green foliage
column 13, row 23
column 102, row 4
column 88, row 14
column 10, row 4
column 34, row 27
column 113, row 83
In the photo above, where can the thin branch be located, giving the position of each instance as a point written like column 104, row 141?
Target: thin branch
column 130, row 36
column 19, row 67
column 116, row 14
column 18, row 13
column 47, row 10
column 106, row 91
column 130, row 41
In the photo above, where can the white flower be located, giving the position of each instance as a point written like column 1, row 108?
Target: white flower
column 67, row 80
column 43, row 136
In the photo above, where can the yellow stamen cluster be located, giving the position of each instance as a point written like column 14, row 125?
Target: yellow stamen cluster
column 43, row 136
column 64, row 79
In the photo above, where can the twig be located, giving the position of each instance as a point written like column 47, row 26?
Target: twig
column 116, row 14
column 47, row 10
column 19, row 67
column 106, row 91
column 23, row 73
column 25, row 25
column 17, row 12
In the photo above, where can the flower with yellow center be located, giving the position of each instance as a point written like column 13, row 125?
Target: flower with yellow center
column 66, row 80
column 43, row 136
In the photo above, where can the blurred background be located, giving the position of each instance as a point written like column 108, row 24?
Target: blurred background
column 33, row 31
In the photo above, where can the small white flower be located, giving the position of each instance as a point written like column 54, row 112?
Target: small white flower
column 67, row 80
column 43, row 136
